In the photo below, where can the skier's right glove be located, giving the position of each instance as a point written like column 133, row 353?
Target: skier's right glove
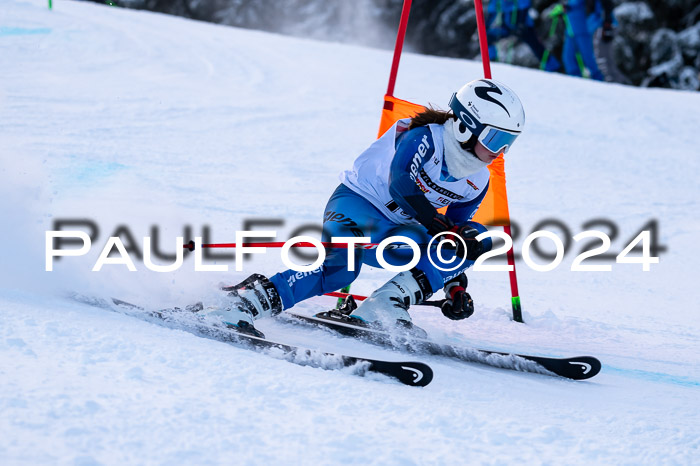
column 441, row 224
column 458, row 304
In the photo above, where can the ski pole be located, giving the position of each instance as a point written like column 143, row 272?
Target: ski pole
column 554, row 14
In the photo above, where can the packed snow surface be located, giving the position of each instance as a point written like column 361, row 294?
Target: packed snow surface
column 152, row 124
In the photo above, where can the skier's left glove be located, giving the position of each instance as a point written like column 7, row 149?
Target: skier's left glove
column 458, row 304
column 443, row 224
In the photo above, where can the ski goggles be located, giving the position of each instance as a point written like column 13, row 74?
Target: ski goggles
column 495, row 139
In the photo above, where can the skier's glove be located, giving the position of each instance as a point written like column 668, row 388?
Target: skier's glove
column 442, row 223
column 608, row 32
column 439, row 224
column 458, row 304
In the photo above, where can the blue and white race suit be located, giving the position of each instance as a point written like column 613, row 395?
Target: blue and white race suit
column 393, row 189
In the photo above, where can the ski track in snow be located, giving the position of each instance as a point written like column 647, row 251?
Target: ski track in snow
column 140, row 119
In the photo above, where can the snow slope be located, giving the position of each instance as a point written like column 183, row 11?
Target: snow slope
column 136, row 119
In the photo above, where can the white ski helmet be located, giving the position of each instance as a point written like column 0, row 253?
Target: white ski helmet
column 489, row 111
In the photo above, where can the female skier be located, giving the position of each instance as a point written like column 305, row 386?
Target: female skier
column 435, row 159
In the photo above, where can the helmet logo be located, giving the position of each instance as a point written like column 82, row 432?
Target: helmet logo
column 467, row 120
column 483, row 92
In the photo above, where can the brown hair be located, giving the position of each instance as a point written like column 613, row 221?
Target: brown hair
column 430, row 115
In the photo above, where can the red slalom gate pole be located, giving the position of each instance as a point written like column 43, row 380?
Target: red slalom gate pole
column 403, row 23
column 300, row 244
column 515, row 296
column 275, row 244
column 342, row 295
column 484, row 46
column 483, row 42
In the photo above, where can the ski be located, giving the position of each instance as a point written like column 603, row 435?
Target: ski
column 416, row 374
column 576, row 368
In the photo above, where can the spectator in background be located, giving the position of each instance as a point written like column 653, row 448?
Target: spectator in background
column 508, row 17
column 584, row 17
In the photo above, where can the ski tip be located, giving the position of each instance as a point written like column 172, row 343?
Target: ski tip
column 421, row 374
column 415, row 374
column 583, row 367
